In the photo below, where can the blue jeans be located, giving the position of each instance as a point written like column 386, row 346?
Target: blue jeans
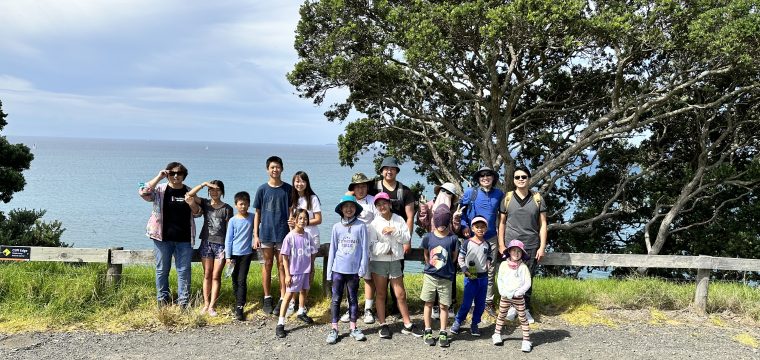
column 473, row 289
column 183, row 255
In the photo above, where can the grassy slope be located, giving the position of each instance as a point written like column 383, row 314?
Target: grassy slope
column 53, row 296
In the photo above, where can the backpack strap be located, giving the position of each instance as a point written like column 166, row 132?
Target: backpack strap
column 537, row 199
column 507, row 198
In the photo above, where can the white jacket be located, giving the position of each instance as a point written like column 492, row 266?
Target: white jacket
column 387, row 247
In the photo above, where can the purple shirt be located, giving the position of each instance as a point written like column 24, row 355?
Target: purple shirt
column 298, row 248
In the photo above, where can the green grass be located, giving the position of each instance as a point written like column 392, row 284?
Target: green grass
column 39, row 296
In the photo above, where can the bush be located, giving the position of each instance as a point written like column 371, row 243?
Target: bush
column 24, row 227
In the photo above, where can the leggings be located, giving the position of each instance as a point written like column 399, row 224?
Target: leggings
column 240, row 277
column 350, row 281
column 519, row 305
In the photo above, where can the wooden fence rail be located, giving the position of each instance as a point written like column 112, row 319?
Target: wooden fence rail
column 117, row 257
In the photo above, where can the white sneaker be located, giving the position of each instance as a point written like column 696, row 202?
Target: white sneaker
column 530, row 318
column 369, row 318
column 511, row 314
column 436, row 313
column 527, row 346
column 291, row 308
column 496, row 339
column 346, row 317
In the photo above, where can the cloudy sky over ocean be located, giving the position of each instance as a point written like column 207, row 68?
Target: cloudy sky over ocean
column 169, row 69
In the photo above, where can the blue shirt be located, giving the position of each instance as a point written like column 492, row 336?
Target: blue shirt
column 481, row 203
column 239, row 238
column 273, row 204
column 441, row 252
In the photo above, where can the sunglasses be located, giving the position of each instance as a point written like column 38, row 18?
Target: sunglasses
column 521, row 177
column 173, row 173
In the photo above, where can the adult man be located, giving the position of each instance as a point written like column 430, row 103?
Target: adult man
column 484, row 200
column 402, row 204
column 523, row 217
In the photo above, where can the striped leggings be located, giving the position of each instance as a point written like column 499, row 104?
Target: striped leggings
column 519, row 305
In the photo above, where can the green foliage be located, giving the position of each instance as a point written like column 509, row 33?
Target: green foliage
column 23, row 227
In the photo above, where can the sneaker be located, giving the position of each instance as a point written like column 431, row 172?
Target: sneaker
column 511, row 314
column 357, row 334
column 443, row 339
column 280, row 331
column 530, row 318
column 332, row 337
column 346, row 317
column 291, row 308
column 475, row 331
column 277, row 307
column 451, row 311
column 411, row 330
column 490, row 309
column 203, row 311
column 239, row 313
column 369, row 317
column 527, row 346
column 455, row 327
column 436, row 313
column 267, row 308
column 305, row 318
column 428, row 337
column 385, row 332
column 212, row 312
column 497, row 340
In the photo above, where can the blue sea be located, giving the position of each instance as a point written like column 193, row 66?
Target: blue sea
column 90, row 185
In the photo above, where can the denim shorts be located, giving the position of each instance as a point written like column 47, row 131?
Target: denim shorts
column 272, row 245
column 211, row 250
column 298, row 282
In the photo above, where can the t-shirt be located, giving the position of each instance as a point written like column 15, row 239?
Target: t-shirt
column 273, row 204
column 441, row 251
column 478, row 254
column 215, row 221
column 177, row 216
column 312, row 230
column 369, row 211
column 397, row 205
column 297, row 247
column 523, row 220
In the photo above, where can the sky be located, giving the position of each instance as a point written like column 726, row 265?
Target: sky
column 169, row 69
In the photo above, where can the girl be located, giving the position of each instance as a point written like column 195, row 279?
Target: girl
column 388, row 234
column 346, row 262
column 303, row 197
column 216, row 214
column 513, row 282
column 297, row 250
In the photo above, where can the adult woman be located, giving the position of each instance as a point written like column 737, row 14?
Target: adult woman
column 172, row 229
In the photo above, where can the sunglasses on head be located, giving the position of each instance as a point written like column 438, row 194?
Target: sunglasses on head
column 521, row 177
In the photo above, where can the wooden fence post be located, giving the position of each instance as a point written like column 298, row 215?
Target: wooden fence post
column 700, row 296
column 113, row 273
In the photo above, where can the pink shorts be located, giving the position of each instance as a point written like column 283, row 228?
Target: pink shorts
column 298, row 282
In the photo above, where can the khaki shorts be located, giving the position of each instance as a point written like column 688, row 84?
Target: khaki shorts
column 431, row 285
column 386, row 269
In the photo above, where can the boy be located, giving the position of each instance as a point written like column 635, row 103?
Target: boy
column 270, row 226
column 237, row 250
column 474, row 260
column 440, row 249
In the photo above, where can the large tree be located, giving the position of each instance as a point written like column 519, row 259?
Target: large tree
column 21, row 226
column 602, row 100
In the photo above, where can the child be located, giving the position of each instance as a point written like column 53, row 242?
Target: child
column 297, row 252
column 387, row 236
column 440, row 250
column 513, row 282
column 270, row 226
column 303, row 197
column 216, row 214
column 359, row 188
column 474, row 260
column 238, row 250
column 346, row 262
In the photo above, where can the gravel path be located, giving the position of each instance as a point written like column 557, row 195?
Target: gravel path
column 685, row 336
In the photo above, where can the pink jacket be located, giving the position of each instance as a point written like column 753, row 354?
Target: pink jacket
column 153, row 229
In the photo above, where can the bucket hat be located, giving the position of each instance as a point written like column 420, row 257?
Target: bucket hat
column 487, row 170
column 519, row 244
column 446, row 186
column 358, row 178
column 347, row 199
column 390, row 162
